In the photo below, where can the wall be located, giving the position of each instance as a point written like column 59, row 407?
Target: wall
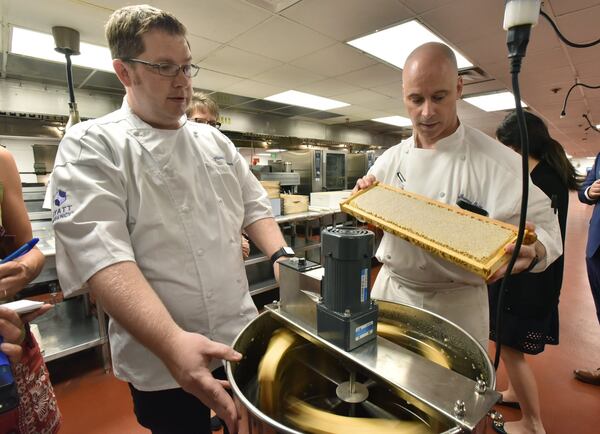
column 22, row 150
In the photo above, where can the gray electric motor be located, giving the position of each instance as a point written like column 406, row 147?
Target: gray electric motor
column 347, row 317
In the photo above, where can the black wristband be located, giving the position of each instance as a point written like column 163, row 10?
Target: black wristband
column 284, row 251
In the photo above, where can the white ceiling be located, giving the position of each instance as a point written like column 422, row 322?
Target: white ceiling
column 255, row 48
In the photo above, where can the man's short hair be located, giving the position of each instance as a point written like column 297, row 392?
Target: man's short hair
column 126, row 26
column 200, row 102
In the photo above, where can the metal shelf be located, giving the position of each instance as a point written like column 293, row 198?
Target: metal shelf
column 263, row 286
column 69, row 328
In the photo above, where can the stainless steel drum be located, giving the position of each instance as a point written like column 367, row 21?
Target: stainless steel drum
column 423, row 374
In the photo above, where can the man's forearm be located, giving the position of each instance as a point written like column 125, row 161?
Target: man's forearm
column 265, row 233
column 128, row 298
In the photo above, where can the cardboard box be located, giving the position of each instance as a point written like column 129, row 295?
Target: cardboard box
column 329, row 199
column 294, row 203
column 272, row 188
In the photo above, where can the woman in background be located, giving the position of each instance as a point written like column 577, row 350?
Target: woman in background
column 37, row 410
column 530, row 313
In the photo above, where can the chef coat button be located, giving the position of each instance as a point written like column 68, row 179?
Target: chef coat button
column 421, row 267
column 195, row 133
column 442, row 194
column 463, row 158
column 185, row 209
column 238, row 280
column 219, row 200
column 388, row 257
column 200, row 252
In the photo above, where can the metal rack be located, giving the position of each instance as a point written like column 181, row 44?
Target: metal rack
column 259, row 270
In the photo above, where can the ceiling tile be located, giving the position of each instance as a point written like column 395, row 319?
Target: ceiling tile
column 237, row 62
column 254, row 89
column 393, row 89
column 201, row 47
column 328, row 88
column 288, row 76
column 220, row 21
column 372, row 76
column 364, row 96
column 212, row 80
column 482, row 87
column 347, row 19
column 41, row 16
column 448, row 21
column 335, row 60
column 420, row 6
column 281, row 39
column 565, row 7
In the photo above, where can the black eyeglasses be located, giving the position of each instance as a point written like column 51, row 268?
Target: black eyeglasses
column 169, row 69
column 215, row 124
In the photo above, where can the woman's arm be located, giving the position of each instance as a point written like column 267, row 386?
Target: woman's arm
column 16, row 274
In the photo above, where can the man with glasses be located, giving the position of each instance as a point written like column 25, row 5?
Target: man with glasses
column 203, row 110
column 148, row 211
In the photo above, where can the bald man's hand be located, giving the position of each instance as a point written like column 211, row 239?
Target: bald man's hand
column 364, row 182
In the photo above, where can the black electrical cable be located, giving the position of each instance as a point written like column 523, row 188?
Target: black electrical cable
column 70, row 79
column 565, row 40
column 517, row 40
column 563, row 113
column 591, row 125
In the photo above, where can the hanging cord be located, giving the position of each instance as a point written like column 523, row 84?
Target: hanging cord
column 565, row 40
column 591, row 125
column 517, row 40
column 563, row 113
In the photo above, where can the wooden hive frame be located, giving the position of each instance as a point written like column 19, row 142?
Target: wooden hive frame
column 483, row 269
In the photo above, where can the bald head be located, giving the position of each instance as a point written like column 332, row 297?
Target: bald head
column 431, row 86
column 432, row 53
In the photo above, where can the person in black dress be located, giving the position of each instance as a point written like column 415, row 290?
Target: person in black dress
column 530, row 311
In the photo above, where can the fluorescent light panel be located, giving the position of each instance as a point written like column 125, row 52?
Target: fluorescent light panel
column 394, row 44
column 493, row 101
column 399, row 121
column 41, row 45
column 293, row 97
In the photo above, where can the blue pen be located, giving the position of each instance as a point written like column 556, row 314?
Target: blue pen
column 21, row 251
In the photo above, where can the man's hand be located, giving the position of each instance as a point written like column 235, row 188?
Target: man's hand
column 245, row 247
column 527, row 254
column 594, row 190
column 189, row 364
column 364, row 182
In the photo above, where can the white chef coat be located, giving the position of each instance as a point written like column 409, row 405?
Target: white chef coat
column 466, row 164
column 173, row 201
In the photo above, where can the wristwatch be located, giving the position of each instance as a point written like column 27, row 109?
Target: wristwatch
column 284, row 251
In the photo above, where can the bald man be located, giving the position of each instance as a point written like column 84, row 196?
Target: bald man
column 446, row 160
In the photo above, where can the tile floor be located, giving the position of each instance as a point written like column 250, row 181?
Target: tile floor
column 93, row 402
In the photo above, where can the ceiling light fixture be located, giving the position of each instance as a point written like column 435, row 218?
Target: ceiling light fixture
column 492, row 102
column 399, row 121
column 293, row 97
column 394, row 44
column 41, row 45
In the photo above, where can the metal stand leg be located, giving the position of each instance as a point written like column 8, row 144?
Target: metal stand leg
column 103, row 328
